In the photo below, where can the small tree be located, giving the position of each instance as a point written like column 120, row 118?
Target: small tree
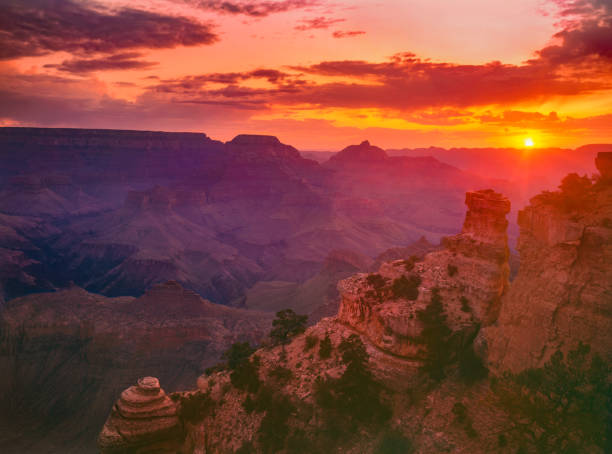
column 563, row 407
column 238, row 354
column 287, row 325
column 435, row 337
column 406, row 287
column 325, row 347
column 355, row 395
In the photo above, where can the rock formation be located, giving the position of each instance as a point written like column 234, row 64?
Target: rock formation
column 67, row 355
column 563, row 291
column 144, row 419
column 471, row 273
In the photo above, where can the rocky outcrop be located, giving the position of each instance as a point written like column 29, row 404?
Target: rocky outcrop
column 471, row 273
column 144, row 419
column 67, row 355
column 563, row 291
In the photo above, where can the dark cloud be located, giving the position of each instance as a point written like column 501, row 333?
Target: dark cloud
column 123, row 61
column 317, row 23
column 253, row 8
column 38, row 27
column 347, row 34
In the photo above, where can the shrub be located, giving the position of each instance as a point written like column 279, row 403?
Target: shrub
column 195, row 407
column 246, row 376
column 463, row 418
column 216, row 368
column 356, row 396
column 435, row 337
column 325, row 347
column 281, row 374
column 564, row 406
column 471, row 366
column 274, row 427
column 260, row 401
column 311, row 341
column 452, row 270
column 465, row 304
column 238, row 354
column 287, row 325
column 376, row 281
column 406, row 287
column 394, row 442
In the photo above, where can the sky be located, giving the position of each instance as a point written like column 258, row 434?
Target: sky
column 318, row 74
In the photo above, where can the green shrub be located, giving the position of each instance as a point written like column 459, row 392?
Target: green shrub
column 238, row 354
column 216, row 368
column 563, row 407
column 246, row 376
column 406, row 287
column 310, row 342
column 325, row 347
column 376, row 281
column 195, row 407
column 287, row 325
column 452, row 270
column 435, row 336
column 274, row 426
column 471, row 365
column 280, row 374
column 394, row 442
column 465, row 304
column 355, row 396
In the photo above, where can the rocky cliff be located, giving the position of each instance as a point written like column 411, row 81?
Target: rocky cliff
column 471, row 273
column 563, row 291
column 560, row 296
column 66, row 356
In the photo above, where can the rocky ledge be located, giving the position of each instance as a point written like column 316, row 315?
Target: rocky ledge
column 470, row 274
column 144, row 419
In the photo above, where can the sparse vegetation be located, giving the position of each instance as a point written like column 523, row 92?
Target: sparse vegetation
column 463, row 418
column 246, row 375
column 376, row 281
column 238, row 354
column 465, row 304
column 286, row 325
column 574, row 193
column 280, row 374
column 394, row 442
column 471, row 366
column 563, row 407
column 195, row 407
column 325, row 347
column 406, row 287
column 310, row 342
column 435, row 337
column 452, row 270
column 355, row 396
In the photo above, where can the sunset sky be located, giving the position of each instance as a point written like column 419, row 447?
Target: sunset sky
column 318, row 74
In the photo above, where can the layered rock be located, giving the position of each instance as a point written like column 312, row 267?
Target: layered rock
column 66, row 356
column 471, row 274
column 144, row 419
column 563, row 291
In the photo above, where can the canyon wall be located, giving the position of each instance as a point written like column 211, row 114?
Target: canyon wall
column 563, row 292
column 470, row 273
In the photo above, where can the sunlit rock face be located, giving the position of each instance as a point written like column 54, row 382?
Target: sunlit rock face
column 563, row 291
column 144, row 419
column 470, row 273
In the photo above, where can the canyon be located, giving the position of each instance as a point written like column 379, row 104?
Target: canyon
column 130, row 254
column 561, row 296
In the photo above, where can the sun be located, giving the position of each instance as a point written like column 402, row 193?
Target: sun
column 529, row 142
